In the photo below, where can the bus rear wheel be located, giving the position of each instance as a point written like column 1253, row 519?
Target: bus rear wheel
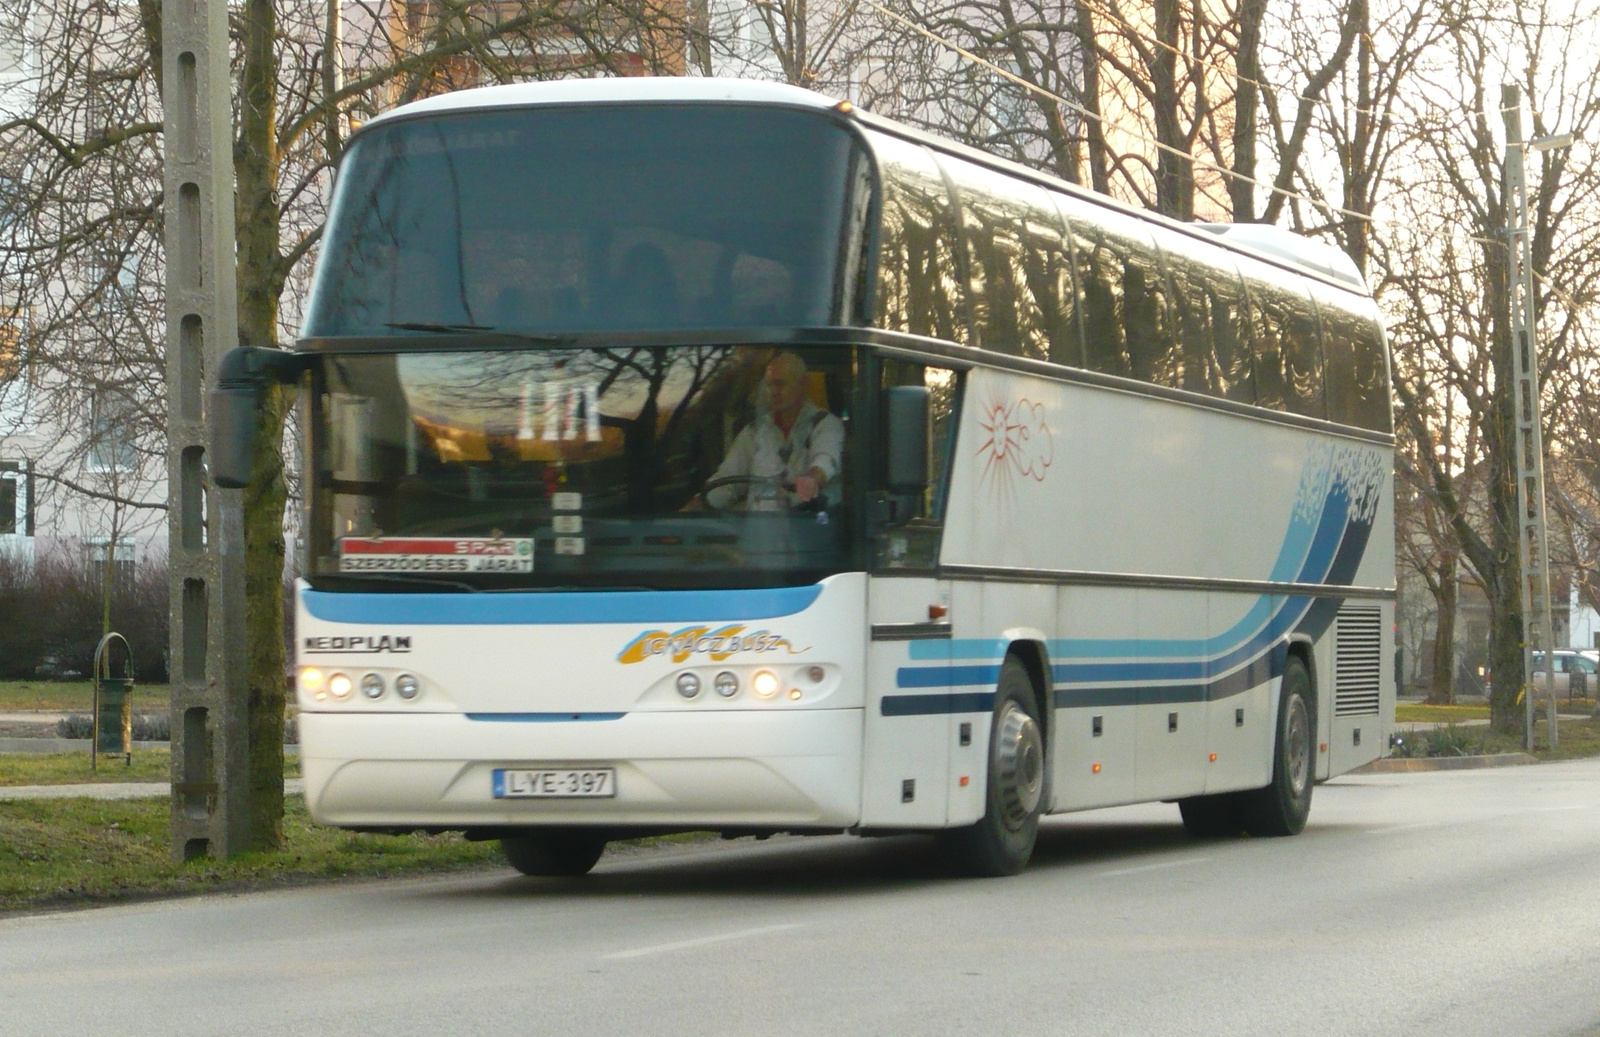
column 1282, row 807
column 553, row 854
column 1002, row 842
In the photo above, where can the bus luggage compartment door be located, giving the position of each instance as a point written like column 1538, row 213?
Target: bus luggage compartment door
column 905, row 762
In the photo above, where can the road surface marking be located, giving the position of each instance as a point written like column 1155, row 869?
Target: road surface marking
column 684, row 945
column 1153, row 867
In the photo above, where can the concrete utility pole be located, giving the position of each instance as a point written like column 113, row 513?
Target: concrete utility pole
column 210, row 757
column 1536, row 625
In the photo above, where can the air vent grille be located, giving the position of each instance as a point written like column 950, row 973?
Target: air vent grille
column 1357, row 663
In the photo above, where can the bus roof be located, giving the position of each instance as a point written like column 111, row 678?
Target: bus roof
column 615, row 90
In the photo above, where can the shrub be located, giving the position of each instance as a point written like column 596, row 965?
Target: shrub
column 146, row 728
column 1448, row 740
column 53, row 608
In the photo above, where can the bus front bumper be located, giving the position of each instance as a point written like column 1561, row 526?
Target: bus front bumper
column 722, row 769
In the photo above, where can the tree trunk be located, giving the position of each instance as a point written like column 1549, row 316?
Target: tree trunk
column 1093, row 129
column 1242, row 192
column 1174, row 170
column 1504, row 571
column 255, row 163
column 1442, row 690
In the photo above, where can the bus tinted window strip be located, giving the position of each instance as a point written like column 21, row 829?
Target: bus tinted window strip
column 1138, row 335
column 1085, row 195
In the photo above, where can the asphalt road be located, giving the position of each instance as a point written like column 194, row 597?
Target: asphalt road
column 1436, row 903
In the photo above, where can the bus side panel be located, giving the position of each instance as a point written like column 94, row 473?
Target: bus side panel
column 1172, row 703
column 1241, row 715
column 1093, row 770
column 1359, row 729
column 908, row 709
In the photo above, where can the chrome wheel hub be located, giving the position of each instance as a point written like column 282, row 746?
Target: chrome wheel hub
column 1018, row 765
column 1298, row 736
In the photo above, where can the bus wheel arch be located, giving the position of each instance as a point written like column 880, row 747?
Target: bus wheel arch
column 1002, row 841
column 1035, row 659
column 1282, row 806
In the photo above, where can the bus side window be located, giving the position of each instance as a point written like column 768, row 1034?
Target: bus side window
column 1189, row 365
column 1357, row 373
column 1286, row 342
column 1012, row 291
column 920, row 286
column 1125, row 319
column 1231, row 374
column 911, row 540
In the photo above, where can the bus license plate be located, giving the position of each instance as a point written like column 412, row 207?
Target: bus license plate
column 560, row 783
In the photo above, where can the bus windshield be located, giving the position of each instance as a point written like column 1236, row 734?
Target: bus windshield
column 693, row 466
column 566, row 219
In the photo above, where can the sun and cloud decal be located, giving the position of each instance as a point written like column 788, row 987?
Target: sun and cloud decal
column 1016, row 445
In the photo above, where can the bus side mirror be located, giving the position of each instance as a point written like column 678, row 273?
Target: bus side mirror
column 906, row 407
column 235, row 409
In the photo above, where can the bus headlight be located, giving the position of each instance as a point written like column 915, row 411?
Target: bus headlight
column 688, row 685
column 372, row 686
column 727, row 684
column 764, row 683
column 313, row 682
column 340, row 686
column 407, row 686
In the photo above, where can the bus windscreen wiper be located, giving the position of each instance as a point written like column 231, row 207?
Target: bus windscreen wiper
column 473, row 329
column 442, row 329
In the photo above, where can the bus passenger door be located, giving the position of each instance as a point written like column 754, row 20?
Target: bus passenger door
column 905, row 759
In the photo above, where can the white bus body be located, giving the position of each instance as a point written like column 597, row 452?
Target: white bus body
column 1155, row 558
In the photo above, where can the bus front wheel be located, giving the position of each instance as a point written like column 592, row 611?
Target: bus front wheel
column 1282, row 807
column 1002, row 842
column 552, row 853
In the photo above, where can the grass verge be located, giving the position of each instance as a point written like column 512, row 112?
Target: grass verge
column 1418, row 713
column 56, row 852
column 73, row 696
column 1575, row 738
column 73, row 768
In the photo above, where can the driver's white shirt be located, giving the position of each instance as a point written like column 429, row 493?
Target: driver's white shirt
column 815, row 441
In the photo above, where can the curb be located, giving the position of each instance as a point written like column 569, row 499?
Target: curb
column 68, row 745
column 1406, row 765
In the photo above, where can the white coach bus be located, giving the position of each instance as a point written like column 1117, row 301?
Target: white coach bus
column 705, row 454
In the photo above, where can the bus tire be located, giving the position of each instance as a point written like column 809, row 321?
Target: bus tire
column 1282, row 807
column 553, row 854
column 1216, row 816
column 1002, row 842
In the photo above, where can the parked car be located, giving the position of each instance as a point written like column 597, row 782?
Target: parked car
column 1570, row 661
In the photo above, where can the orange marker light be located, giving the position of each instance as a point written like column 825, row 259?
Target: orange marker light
column 963, row 781
column 1324, row 747
column 1096, row 768
column 1213, row 757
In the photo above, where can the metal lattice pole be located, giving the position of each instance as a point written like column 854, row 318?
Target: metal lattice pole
column 210, row 759
column 1531, row 542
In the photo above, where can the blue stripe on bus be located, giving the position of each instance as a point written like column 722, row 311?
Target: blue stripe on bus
column 928, row 705
column 1314, row 551
column 1134, row 695
column 542, row 718
column 1290, row 612
column 560, row 607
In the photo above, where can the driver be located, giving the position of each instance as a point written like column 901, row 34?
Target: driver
column 794, row 446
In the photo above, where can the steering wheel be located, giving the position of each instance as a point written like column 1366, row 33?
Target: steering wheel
column 770, row 481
